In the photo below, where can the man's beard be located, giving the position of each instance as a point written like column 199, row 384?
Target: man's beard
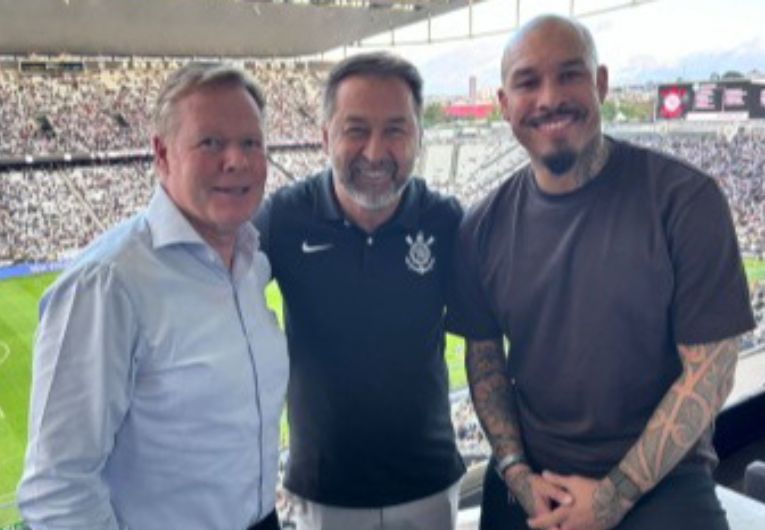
column 563, row 161
column 371, row 199
column 585, row 164
column 560, row 163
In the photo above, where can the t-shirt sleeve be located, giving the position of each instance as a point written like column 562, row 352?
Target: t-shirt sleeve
column 711, row 296
column 453, row 214
column 470, row 314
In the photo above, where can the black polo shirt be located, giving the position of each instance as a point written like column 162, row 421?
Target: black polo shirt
column 368, row 393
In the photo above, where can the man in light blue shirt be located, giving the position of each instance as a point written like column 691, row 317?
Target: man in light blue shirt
column 159, row 373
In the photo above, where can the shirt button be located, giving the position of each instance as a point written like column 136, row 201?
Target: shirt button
column 370, row 241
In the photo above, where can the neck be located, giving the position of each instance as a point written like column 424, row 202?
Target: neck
column 226, row 253
column 587, row 166
column 222, row 244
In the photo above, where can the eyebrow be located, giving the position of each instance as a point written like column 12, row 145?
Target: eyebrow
column 574, row 62
column 360, row 119
column 530, row 70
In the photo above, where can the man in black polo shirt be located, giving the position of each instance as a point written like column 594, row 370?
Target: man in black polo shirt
column 615, row 275
column 362, row 254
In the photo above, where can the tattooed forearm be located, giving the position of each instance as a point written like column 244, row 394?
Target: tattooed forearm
column 607, row 506
column 686, row 411
column 492, row 395
column 519, row 483
column 493, row 402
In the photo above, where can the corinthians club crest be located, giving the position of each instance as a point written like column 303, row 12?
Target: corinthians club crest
column 420, row 259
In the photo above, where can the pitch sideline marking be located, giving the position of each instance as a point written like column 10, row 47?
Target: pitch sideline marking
column 5, row 351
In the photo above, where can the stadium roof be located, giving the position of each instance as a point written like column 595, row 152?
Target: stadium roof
column 255, row 28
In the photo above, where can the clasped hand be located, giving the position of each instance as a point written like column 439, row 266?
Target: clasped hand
column 557, row 502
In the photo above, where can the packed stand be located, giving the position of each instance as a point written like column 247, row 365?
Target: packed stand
column 47, row 215
column 76, row 112
column 109, row 109
column 45, row 218
column 757, row 337
column 292, row 165
column 293, row 96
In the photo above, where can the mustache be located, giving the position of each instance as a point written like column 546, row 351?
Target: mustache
column 561, row 111
column 361, row 165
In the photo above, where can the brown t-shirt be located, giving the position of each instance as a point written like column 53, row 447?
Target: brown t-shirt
column 594, row 289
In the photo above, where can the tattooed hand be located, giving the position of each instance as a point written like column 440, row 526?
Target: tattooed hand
column 536, row 495
column 596, row 505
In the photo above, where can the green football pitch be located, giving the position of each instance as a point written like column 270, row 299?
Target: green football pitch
column 18, row 319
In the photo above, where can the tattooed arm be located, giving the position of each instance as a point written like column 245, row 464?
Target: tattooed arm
column 492, row 397
column 686, row 411
column 683, row 415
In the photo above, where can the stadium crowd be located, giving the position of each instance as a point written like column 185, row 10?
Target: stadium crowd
column 108, row 109
column 78, row 112
column 47, row 215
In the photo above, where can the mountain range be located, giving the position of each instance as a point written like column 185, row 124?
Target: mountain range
column 448, row 74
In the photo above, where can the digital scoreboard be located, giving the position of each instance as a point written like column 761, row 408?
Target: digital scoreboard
column 712, row 100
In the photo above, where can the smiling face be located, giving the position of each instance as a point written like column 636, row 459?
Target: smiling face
column 372, row 140
column 551, row 94
column 212, row 161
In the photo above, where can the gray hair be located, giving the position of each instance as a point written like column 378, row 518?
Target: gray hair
column 377, row 64
column 585, row 37
column 195, row 76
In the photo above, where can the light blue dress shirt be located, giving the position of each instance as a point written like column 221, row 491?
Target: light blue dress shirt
column 158, row 382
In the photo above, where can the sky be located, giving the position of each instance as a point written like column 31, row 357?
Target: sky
column 658, row 41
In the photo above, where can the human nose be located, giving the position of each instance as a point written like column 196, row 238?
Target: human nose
column 549, row 96
column 234, row 158
column 375, row 148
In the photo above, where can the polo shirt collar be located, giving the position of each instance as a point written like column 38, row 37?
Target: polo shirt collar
column 326, row 203
column 406, row 215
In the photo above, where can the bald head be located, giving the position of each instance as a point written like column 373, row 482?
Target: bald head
column 552, row 89
column 549, row 23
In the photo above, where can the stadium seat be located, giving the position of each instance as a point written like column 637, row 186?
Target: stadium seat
column 754, row 480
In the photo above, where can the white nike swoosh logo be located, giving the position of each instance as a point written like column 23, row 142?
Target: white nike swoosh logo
column 309, row 249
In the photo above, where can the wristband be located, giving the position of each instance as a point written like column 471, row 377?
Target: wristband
column 513, row 459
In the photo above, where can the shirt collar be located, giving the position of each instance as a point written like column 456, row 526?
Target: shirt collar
column 406, row 215
column 326, row 203
column 169, row 226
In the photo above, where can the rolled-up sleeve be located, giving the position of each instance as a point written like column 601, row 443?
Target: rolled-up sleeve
column 81, row 382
